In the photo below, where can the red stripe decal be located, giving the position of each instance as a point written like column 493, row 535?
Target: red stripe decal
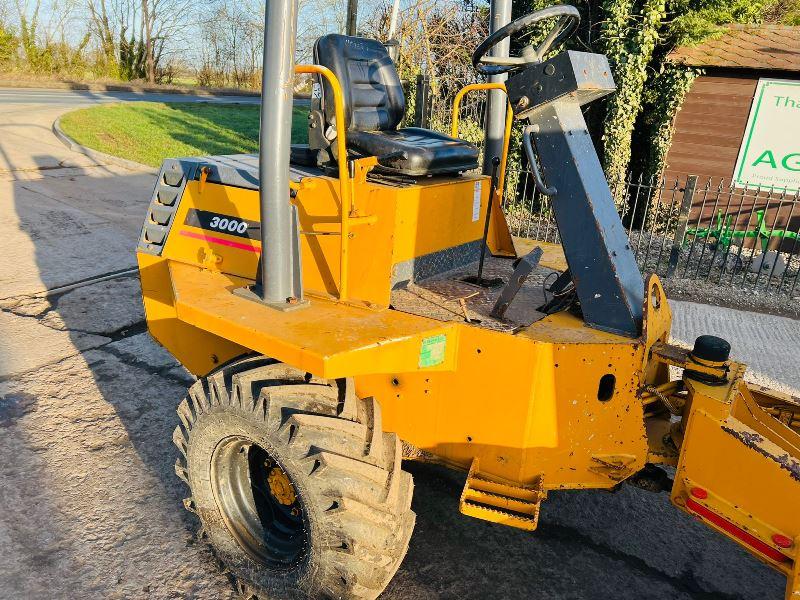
column 220, row 241
column 736, row 531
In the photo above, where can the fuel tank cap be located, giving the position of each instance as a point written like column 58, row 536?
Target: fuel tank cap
column 711, row 348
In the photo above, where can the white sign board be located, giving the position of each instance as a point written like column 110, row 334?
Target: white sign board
column 770, row 152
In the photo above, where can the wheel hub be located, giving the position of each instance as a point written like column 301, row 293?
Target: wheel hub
column 259, row 503
column 281, row 487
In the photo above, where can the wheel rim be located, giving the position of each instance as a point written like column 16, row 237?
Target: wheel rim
column 259, row 503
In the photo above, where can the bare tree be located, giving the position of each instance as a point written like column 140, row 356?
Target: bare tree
column 232, row 42
column 159, row 21
column 316, row 18
column 45, row 45
column 148, row 24
column 102, row 28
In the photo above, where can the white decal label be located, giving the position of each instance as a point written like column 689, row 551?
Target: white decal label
column 476, row 201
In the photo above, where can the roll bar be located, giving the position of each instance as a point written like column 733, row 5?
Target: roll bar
column 345, row 185
column 474, row 87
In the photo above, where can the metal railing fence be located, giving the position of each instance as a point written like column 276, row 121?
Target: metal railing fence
column 683, row 227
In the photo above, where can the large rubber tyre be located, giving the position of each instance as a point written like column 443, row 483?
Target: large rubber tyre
column 353, row 500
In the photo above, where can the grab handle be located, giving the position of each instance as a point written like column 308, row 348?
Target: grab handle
column 531, row 154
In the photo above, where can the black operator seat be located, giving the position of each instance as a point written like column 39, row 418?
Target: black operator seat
column 374, row 105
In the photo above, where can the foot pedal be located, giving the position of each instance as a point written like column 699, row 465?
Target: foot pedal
column 524, row 267
column 491, row 500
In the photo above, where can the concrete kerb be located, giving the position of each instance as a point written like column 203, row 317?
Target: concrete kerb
column 100, row 157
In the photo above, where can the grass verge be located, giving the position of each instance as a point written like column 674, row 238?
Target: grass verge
column 149, row 132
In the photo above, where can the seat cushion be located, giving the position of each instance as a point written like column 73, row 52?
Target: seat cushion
column 426, row 152
column 374, row 105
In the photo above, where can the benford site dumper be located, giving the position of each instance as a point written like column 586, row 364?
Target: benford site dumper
column 326, row 298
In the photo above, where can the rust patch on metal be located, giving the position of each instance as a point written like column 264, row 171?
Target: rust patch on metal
column 753, row 441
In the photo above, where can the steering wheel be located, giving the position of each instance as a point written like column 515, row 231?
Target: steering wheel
column 568, row 20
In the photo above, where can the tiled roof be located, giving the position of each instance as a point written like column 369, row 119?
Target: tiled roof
column 775, row 47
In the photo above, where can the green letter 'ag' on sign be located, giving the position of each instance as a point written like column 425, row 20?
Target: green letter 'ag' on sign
column 770, row 152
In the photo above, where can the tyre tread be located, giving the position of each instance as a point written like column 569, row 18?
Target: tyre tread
column 354, row 466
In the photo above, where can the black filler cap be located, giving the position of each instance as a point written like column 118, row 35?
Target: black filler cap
column 711, row 348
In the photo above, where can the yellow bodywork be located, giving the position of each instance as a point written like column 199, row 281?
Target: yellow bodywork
column 518, row 402
column 739, row 470
column 554, row 405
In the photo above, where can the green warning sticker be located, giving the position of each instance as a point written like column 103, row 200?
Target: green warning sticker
column 431, row 353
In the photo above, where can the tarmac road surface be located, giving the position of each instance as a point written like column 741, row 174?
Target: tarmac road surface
column 69, row 98
column 91, row 507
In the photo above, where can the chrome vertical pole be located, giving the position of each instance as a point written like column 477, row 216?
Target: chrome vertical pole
column 393, row 19
column 499, row 16
column 392, row 44
column 274, row 139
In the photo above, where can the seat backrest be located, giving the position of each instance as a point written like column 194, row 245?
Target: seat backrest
column 373, row 93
